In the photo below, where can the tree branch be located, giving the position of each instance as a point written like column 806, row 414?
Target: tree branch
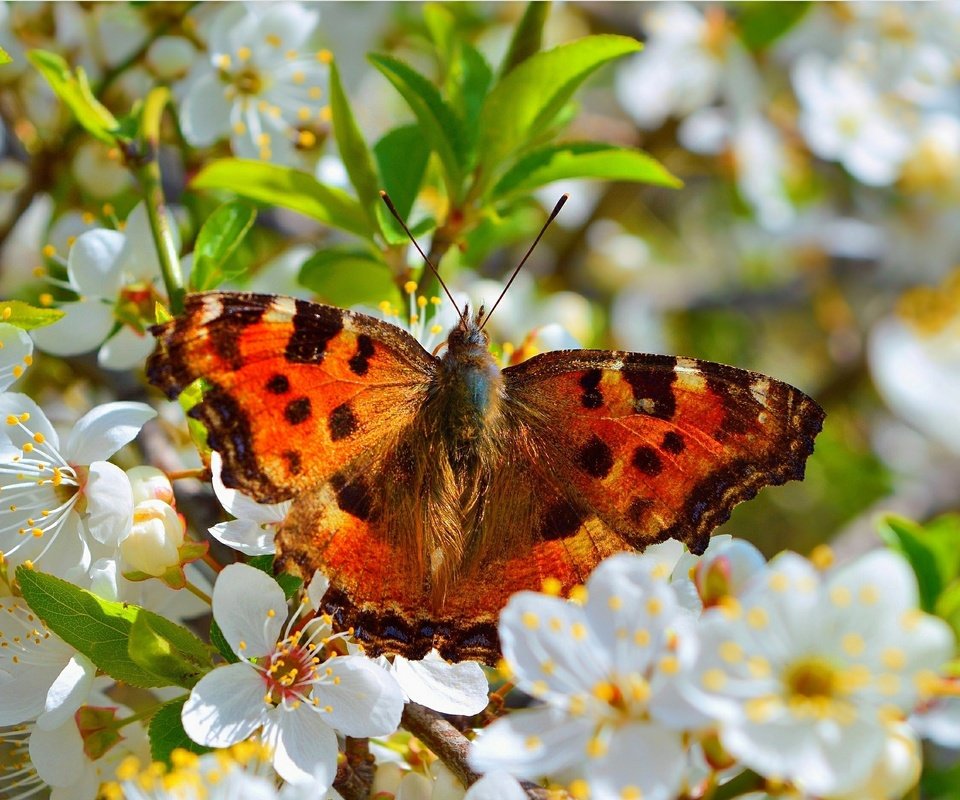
column 453, row 748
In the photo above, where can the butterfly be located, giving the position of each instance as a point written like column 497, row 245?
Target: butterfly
column 429, row 488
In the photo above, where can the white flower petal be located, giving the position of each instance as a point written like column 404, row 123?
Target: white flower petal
column 15, row 346
column 139, row 258
column 546, row 641
column 448, row 688
column 109, row 513
column 496, row 786
column 239, row 504
column 68, row 692
column 13, row 403
column 306, row 748
column 86, row 324
column 126, row 349
column 530, row 744
column 57, row 754
column 367, row 700
column 249, row 606
column 93, row 263
column 103, row 430
column 205, row 110
column 654, row 776
column 246, row 536
column 226, row 706
column 317, row 588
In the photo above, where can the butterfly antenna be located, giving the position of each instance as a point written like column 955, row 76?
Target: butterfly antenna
column 551, row 218
column 396, row 215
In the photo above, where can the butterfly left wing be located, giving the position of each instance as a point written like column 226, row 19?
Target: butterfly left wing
column 293, row 390
column 655, row 446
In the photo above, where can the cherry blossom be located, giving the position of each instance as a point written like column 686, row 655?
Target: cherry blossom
column 61, row 504
column 607, row 674
column 16, row 354
column 805, row 673
column 287, row 686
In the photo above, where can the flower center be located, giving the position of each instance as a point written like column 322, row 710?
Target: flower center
column 291, row 671
column 813, row 677
column 248, row 81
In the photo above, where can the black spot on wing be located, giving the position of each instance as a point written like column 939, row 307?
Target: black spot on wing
column 294, row 462
column 673, row 443
column 342, row 423
column 224, row 335
column 278, row 384
column 561, row 520
column 313, row 328
column 592, row 397
column 359, row 362
column 651, row 381
column 298, row 410
column 354, row 497
column 595, row 458
column 647, row 460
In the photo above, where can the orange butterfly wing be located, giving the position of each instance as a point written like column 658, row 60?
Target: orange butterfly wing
column 658, row 446
column 293, row 390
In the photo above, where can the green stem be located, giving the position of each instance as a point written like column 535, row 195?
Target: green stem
column 194, row 590
column 147, row 170
column 146, row 713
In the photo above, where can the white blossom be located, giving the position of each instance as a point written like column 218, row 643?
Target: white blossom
column 256, row 524
column 805, row 674
column 286, row 686
column 16, row 354
column 60, row 504
column 606, row 673
column 257, row 87
column 117, row 276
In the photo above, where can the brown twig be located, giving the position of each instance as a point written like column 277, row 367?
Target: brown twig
column 355, row 772
column 453, row 748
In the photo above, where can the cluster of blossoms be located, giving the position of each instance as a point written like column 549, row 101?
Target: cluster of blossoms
column 669, row 674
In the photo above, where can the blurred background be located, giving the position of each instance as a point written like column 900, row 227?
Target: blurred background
column 815, row 237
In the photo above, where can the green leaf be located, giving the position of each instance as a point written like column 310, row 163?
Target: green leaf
column 529, row 97
column 907, row 537
column 166, row 732
column 438, row 122
column 74, row 91
column 289, row 583
column 762, row 22
column 218, row 640
column 353, row 148
column 469, row 81
column 4, row 57
column 25, row 316
column 347, row 276
column 100, row 629
column 948, row 606
column 442, row 26
column 402, row 155
column 287, row 188
column 262, row 563
column 528, row 36
column 160, row 655
column 582, row 160
column 219, row 237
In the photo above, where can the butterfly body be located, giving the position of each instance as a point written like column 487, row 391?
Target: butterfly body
column 430, row 488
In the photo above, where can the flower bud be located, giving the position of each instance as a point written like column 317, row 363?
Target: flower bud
column 149, row 483
column 152, row 544
column 169, row 57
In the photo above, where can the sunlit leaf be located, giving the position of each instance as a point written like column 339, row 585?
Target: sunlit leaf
column 582, row 160
column 159, row 655
column 219, row 237
column 526, row 100
column 402, row 156
column 346, row 276
column 166, row 732
column 74, row 90
column 101, row 629
column 25, row 316
column 438, row 121
column 353, row 148
column 4, row 57
column 287, row 188
column 527, row 36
